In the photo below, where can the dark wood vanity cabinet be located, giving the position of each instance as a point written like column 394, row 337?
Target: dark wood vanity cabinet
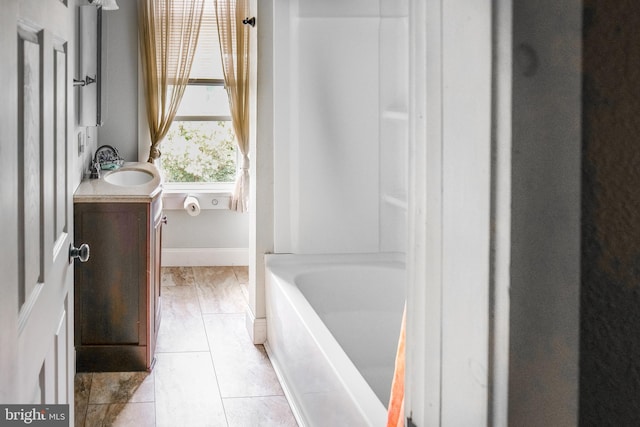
column 117, row 291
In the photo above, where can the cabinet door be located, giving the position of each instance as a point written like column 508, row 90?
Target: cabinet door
column 111, row 291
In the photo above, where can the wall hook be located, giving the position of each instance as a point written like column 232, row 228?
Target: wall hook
column 250, row 21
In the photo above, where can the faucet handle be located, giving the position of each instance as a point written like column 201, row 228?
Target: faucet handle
column 95, row 170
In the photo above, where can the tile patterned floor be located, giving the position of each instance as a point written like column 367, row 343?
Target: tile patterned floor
column 207, row 371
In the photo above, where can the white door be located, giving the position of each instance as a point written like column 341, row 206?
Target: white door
column 36, row 290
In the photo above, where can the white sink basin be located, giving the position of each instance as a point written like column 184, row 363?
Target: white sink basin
column 127, row 177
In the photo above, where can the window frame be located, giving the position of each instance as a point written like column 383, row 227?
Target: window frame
column 212, row 187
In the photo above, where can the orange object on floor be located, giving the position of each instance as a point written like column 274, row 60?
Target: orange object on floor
column 396, row 400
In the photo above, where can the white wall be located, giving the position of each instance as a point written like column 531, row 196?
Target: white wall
column 466, row 209
column 393, row 124
column 338, row 70
column 215, row 237
column 450, row 208
column 261, row 175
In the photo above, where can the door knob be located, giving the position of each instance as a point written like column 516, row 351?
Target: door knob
column 82, row 253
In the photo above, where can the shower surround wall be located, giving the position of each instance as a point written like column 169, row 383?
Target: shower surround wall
column 340, row 126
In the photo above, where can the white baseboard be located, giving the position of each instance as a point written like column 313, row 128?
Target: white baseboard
column 257, row 328
column 196, row 257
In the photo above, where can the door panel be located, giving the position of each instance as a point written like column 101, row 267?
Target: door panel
column 60, row 154
column 29, row 149
column 36, row 355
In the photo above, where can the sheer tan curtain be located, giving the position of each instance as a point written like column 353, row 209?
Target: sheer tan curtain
column 168, row 37
column 234, row 45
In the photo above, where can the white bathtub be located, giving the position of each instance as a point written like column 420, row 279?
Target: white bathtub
column 332, row 331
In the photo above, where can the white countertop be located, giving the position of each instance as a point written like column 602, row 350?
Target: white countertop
column 101, row 191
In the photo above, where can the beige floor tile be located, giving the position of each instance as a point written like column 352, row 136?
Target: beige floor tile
column 96, row 415
column 82, row 386
column 181, row 327
column 186, row 391
column 177, row 276
column 121, row 387
column 269, row 411
column 245, row 292
column 214, row 274
column 219, row 290
column 243, row 369
column 242, row 273
column 141, row 414
column 122, row 415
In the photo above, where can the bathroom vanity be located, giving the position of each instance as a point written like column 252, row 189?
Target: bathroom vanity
column 117, row 291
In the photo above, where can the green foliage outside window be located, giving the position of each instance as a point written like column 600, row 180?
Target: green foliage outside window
column 199, row 152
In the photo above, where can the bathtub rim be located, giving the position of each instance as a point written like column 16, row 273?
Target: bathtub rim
column 284, row 268
column 280, row 262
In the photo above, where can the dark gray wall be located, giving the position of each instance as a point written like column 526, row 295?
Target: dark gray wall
column 610, row 298
column 545, row 215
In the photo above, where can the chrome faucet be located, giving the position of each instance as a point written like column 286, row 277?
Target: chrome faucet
column 106, row 158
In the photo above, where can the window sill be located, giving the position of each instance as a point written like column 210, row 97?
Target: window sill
column 210, row 196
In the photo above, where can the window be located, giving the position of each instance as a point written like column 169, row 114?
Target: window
column 200, row 146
